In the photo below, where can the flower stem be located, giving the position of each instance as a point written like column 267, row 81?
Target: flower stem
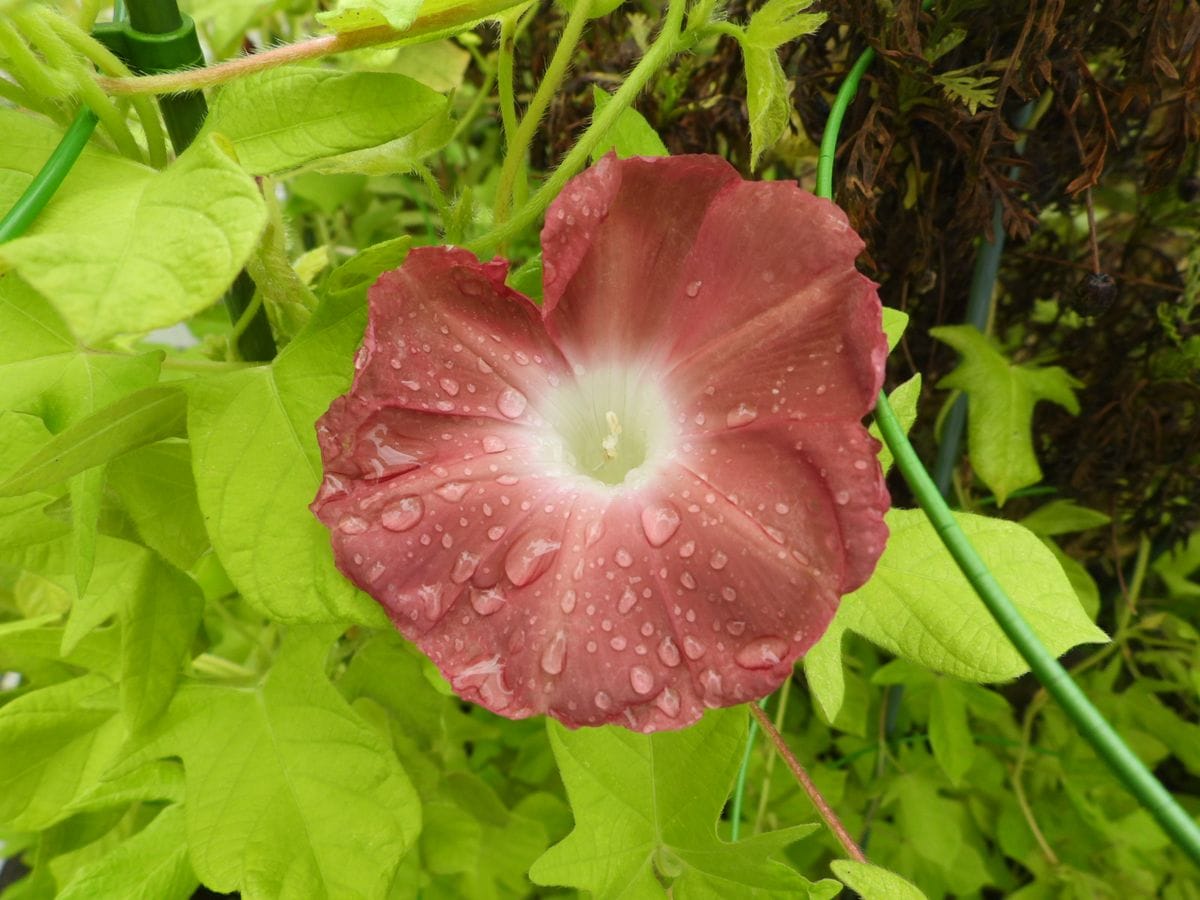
column 656, row 57
column 301, row 51
column 514, row 158
column 824, row 810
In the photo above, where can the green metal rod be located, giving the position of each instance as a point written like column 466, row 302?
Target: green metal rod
column 18, row 219
column 154, row 16
column 1122, row 761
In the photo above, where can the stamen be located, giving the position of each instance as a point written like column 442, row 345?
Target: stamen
column 614, row 435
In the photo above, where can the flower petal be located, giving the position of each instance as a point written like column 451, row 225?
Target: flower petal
column 615, row 251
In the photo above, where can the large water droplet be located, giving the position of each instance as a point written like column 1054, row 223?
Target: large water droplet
column 742, row 414
column 763, row 653
column 641, row 679
column 554, row 657
column 530, row 556
column 403, row 513
column 464, row 567
column 842, row 497
column 668, row 652
column 602, row 700
column 496, row 532
column 718, row 560
column 668, row 702
column 692, row 648
column 493, row 444
column 693, row 288
column 568, row 602
column 352, row 525
column 628, row 601
column 453, row 491
column 623, row 558
column 660, row 523
column 450, row 386
column 710, row 684
column 511, row 403
column 487, row 601
column 594, row 530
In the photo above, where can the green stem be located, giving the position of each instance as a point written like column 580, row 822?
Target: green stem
column 514, row 158
column 1093, row 726
column 656, row 57
column 504, row 76
column 833, row 126
column 18, row 219
column 60, row 55
column 108, row 63
column 764, row 796
column 739, row 789
column 26, row 68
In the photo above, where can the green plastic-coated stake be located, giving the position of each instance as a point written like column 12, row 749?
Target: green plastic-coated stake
column 1175, row 821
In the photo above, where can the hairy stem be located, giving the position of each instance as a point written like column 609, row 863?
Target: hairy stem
column 301, row 51
column 824, row 810
column 514, row 158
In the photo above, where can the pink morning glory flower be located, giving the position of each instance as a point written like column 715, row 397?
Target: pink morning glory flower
column 644, row 498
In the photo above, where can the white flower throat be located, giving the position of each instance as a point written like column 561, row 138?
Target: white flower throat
column 611, row 425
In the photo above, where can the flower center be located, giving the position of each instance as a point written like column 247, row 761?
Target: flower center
column 611, row 424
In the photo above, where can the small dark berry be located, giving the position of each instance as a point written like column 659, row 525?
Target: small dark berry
column 1096, row 294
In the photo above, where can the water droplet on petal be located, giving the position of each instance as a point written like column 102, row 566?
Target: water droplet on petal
column 693, row 288
column 452, row 491
column 511, row 403
column 450, row 386
column 594, row 530
column 628, row 601
column 660, row 523
column 842, row 498
column 729, row 594
column 530, row 556
column 464, row 567
column 555, row 654
column 486, row 602
column 617, row 643
column 496, row 532
column 602, row 700
column 352, row 525
column 623, row 558
column 568, row 602
column 493, row 444
column 668, row 702
column 742, row 414
column 668, row 652
column 692, row 648
column 736, row 628
column 710, row 683
column 718, row 560
column 763, row 653
column 641, row 679
column 686, row 551
column 402, row 514
column 549, row 272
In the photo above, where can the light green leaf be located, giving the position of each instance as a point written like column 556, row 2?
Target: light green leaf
column 779, row 21
column 767, row 99
column 354, row 15
column 155, row 487
column 133, row 421
column 1085, row 585
column 1063, row 517
column 823, row 671
column 630, row 135
column 394, row 157
column 919, row 606
column 1000, row 400
column 645, row 812
column 157, row 781
column 151, row 865
column 903, row 401
column 257, row 468
column 87, row 496
column 290, row 794
column 949, row 731
column 285, row 117
column 126, row 249
column 159, row 614
column 873, row 882
column 894, row 323
column 56, row 743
